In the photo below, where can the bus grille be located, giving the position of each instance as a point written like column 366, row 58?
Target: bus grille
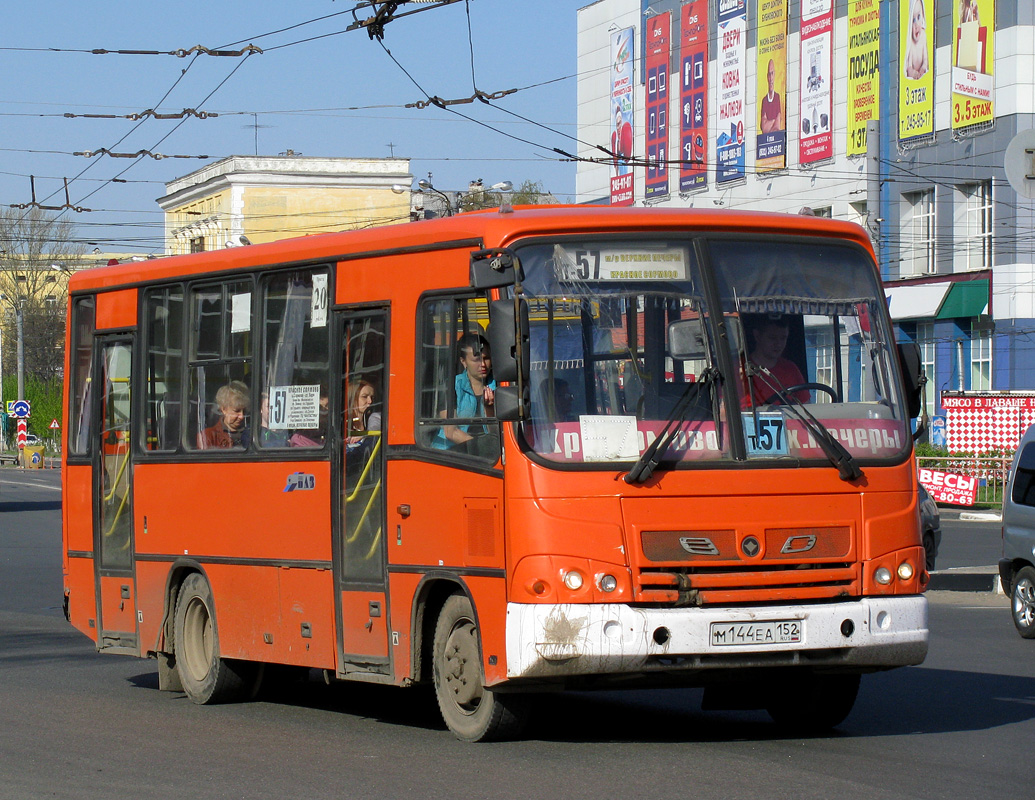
column 681, row 568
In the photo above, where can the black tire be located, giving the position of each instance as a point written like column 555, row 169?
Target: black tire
column 206, row 677
column 1022, row 602
column 810, row 703
column 470, row 710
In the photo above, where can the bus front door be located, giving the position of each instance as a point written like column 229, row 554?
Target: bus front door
column 362, row 607
column 113, row 500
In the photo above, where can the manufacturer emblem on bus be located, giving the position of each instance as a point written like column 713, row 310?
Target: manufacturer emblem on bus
column 300, row 481
column 805, row 543
column 698, row 545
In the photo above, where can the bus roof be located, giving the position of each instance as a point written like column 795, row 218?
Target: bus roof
column 486, row 228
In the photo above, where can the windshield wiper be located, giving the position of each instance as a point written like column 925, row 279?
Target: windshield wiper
column 835, row 452
column 651, row 457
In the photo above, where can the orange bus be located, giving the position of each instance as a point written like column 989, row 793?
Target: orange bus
column 501, row 453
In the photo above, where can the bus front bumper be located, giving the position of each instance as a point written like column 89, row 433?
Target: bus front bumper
column 564, row 640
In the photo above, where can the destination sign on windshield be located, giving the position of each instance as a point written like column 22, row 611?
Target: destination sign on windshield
column 620, row 264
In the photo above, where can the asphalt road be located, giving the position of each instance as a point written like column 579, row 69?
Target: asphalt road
column 76, row 724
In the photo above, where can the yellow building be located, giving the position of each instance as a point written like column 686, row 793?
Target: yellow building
column 265, row 198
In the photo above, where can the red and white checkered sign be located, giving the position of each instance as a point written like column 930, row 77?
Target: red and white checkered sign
column 22, row 435
column 982, row 422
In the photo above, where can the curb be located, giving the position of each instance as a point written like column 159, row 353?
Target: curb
column 966, row 579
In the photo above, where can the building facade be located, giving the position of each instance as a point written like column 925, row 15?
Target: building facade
column 892, row 114
column 266, row 198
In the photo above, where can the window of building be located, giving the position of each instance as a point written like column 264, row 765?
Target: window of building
column 455, row 363
column 918, row 246
column 980, row 358
column 925, row 340
column 197, row 244
column 974, row 221
column 827, row 212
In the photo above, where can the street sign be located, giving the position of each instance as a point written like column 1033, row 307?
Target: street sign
column 21, row 408
column 22, row 436
column 54, row 425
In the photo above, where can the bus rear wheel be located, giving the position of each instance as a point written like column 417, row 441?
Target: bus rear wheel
column 206, row 677
column 472, row 712
column 813, row 703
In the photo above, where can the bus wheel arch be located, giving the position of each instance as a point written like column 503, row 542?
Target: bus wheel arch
column 431, row 595
column 472, row 711
column 205, row 675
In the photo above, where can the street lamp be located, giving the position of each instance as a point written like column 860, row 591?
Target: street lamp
column 427, row 186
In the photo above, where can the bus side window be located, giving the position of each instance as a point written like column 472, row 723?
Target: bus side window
column 163, row 320
column 220, row 361
column 293, row 397
column 445, row 390
column 83, row 319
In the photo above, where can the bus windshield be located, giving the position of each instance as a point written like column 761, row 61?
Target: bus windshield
column 727, row 347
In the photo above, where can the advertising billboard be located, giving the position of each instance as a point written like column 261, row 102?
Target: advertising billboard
column 621, row 117
column 816, row 140
column 771, row 86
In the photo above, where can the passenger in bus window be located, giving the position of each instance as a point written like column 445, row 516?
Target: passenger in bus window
column 231, row 429
column 314, row 437
column 767, row 338
column 362, row 416
column 475, row 390
column 562, row 399
column 267, row 436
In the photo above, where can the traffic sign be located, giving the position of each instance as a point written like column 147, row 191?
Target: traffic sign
column 22, row 436
column 21, row 408
column 54, row 425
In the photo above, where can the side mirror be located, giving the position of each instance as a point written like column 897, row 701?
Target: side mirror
column 686, row 340
column 911, row 362
column 508, row 340
column 511, row 355
column 494, row 269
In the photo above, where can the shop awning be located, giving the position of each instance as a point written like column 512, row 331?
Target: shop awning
column 920, row 301
column 965, row 299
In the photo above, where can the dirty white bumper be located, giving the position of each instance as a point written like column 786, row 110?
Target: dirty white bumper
column 545, row 641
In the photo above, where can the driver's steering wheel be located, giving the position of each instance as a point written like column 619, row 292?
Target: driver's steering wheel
column 775, row 399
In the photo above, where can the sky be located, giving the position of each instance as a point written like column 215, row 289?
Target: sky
column 315, row 90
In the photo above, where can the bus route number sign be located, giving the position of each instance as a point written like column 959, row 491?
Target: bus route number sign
column 769, row 439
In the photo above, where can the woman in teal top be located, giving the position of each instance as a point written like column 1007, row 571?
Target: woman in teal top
column 475, row 390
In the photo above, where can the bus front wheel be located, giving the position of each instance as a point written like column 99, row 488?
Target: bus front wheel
column 813, row 703
column 472, row 712
column 205, row 676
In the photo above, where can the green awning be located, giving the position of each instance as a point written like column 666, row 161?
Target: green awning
column 965, row 299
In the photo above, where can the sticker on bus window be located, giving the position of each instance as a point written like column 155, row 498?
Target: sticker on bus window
column 295, row 407
column 318, row 311
column 241, row 313
column 769, row 439
column 605, row 264
column 609, row 438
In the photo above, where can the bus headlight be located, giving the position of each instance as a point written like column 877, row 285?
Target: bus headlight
column 882, row 576
column 573, row 580
column 608, row 583
column 905, row 570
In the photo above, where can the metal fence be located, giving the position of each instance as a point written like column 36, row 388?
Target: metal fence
column 991, row 472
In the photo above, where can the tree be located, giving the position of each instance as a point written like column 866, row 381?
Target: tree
column 529, row 193
column 38, row 251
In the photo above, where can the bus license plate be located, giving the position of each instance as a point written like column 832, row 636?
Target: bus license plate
column 783, row 631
